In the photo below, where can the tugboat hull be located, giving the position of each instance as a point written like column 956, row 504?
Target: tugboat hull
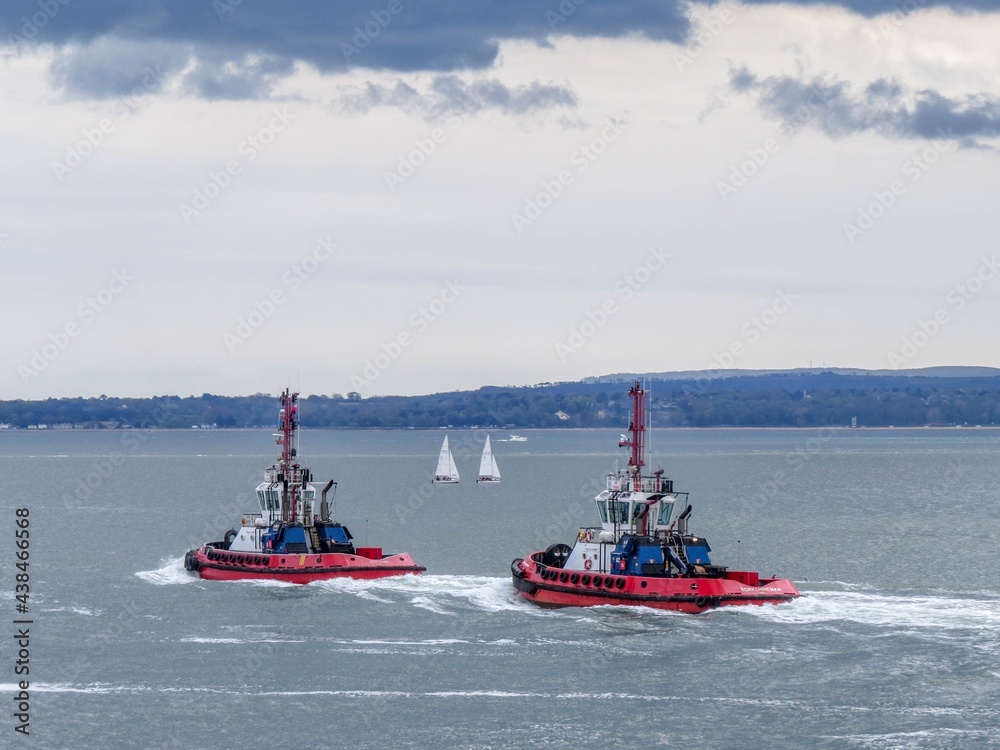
column 223, row 565
column 555, row 587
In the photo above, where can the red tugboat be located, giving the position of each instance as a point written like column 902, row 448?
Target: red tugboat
column 640, row 555
column 292, row 538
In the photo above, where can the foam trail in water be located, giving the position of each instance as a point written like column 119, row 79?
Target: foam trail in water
column 442, row 594
column 939, row 612
column 172, row 572
column 438, row 594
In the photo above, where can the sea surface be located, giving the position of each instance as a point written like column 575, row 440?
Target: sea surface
column 894, row 535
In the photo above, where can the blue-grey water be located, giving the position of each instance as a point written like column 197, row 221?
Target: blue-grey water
column 893, row 534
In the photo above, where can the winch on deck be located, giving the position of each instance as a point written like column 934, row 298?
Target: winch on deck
column 322, row 536
column 671, row 555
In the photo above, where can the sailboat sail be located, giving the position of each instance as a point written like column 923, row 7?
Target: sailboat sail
column 488, row 470
column 447, row 471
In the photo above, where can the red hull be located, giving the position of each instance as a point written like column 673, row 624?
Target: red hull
column 555, row 587
column 295, row 568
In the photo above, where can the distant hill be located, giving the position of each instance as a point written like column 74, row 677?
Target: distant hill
column 811, row 397
column 923, row 372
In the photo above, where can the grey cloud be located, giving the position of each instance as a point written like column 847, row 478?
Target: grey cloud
column 449, row 94
column 113, row 67
column 254, row 77
column 220, row 36
column 884, row 106
column 877, row 7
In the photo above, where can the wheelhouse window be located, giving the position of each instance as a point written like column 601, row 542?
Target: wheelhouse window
column 666, row 508
column 273, row 500
column 618, row 511
column 602, row 508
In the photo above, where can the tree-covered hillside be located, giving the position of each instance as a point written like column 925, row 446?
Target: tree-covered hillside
column 778, row 400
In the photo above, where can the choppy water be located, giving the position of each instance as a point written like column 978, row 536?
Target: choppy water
column 892, row 534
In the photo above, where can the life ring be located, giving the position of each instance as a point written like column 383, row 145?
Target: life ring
column 587, row 564
column 589, row 535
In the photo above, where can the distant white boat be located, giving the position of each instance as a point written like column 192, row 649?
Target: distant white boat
column 447, row 471
column 488, row 471
column 516, row 439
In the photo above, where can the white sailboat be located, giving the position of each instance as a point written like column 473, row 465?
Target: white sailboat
column 488, row 471
column 447, row 471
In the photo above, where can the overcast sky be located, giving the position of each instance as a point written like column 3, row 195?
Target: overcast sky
column 401, row 197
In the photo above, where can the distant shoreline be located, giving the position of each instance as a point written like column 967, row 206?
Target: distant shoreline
column 844, row 428
column 776, row 400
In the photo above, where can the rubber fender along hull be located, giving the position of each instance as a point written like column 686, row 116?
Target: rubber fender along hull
column 545, row 587
column 294, row 568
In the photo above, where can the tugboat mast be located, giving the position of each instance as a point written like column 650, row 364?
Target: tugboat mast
column 289, row 468
column 637, row 431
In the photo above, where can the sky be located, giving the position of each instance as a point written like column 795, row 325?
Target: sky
column 403, row 197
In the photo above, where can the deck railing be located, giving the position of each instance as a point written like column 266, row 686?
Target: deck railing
column 619, row 482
